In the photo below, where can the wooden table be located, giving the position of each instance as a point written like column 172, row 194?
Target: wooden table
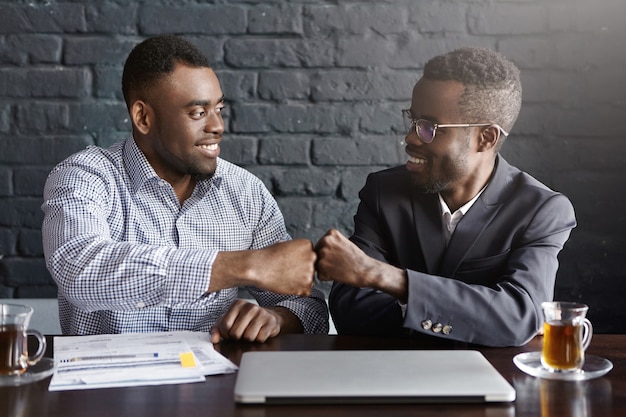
column 599, row 397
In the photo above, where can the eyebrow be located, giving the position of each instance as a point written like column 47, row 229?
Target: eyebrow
column 203, row 103
column 425, row 117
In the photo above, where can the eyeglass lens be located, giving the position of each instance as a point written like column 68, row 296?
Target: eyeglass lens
column 425, row 130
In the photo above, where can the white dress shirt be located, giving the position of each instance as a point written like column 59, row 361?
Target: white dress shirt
column 450, row 220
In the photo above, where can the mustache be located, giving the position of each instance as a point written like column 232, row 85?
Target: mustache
column 412, row 149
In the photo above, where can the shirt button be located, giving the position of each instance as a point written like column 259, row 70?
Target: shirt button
column 141, row 304
column 447, row 329
column 162, row 183
column 437, row 327
column 426, row 324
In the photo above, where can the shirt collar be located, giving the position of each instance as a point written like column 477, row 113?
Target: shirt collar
column 140, row 171
column 464, row 208
column 138, row 168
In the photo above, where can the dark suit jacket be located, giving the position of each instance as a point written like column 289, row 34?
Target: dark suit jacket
column 485, row 287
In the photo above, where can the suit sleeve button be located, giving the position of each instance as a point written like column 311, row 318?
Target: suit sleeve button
column 437, row 327
column 447, row 329
column 427, row 324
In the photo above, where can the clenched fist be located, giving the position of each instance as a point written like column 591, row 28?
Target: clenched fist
column 284, row 268
column 341, row 260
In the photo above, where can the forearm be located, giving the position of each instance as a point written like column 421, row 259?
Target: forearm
column 503, row 315
column 387, row 278
column 96, row 275
column 288, row 322
column 342, row 260
column 235, row 269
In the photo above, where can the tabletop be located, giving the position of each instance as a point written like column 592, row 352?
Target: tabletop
column 604, row 396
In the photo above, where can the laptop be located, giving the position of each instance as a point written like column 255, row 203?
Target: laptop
column 369, row 377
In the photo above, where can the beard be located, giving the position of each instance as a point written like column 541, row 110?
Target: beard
column 183, row 161
column 202, row 177
column 430, row 185
column 198, row 168
column 450, row 170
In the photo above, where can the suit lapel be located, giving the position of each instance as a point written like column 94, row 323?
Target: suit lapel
column 466, row 234
column 428, row 226
column 472, row 225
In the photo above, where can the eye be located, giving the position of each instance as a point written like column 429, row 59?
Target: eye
column 197, row 114
column 221, row 107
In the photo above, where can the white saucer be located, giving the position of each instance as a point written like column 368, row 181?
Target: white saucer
column 594, row 367
column 42, row 369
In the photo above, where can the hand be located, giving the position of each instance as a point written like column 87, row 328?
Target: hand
column 284, row 268
column 287, row 267
column 250, row 322
column 339, row 259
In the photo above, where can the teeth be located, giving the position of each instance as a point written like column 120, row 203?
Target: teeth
column 212, row 147
column 416, row 160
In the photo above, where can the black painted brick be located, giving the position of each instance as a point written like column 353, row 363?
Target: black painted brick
column 314, row 89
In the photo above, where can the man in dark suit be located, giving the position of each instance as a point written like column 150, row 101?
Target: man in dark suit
column 457, row 243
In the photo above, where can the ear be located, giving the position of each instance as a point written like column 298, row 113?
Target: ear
column 488, row 139
column 141, row 115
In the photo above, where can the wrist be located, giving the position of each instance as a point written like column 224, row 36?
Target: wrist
column 233, row 269
column 393, row 281
column 287, row 321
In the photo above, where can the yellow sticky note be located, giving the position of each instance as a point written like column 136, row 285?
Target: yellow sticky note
column 187, row 360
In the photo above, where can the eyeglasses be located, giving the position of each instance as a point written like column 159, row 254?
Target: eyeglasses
column 426, row 129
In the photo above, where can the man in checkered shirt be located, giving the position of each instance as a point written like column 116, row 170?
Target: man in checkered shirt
column 157, row 233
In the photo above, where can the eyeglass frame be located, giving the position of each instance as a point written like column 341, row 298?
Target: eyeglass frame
column 415, row 124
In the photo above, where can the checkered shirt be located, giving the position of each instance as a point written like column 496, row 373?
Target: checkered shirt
column 127, row 257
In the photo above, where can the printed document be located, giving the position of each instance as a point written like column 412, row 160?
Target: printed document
column 120, row 360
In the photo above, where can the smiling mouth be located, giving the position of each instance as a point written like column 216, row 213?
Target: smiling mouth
column 416, row 160
column 212, row 147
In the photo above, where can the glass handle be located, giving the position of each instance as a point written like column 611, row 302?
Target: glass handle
column 587, row 332
column 33, row 359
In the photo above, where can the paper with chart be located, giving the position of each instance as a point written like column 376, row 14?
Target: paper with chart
column 103, row 361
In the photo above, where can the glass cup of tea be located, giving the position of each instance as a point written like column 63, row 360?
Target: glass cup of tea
column 14, row 332
column 566, row 336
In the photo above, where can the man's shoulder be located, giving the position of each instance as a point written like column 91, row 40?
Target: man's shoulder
column 232, row 172
column 91, row 168
column 225, row 167
column 520, row 178
column 391, row 184
column 233, row 178
column 396, row 170
column 390, row 174
column 390, row 178
column 522, row 185
column 94, row 155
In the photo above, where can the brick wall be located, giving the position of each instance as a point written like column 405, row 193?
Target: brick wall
column 314, row 89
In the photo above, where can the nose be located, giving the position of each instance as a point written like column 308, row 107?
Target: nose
column 214, row 123
column 412, row 138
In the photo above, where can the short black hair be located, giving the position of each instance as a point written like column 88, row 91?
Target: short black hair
column 493, row 89
column 156, row 57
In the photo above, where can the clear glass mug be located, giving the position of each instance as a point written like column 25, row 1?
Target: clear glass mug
column 14, row 332
column 566, row 336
